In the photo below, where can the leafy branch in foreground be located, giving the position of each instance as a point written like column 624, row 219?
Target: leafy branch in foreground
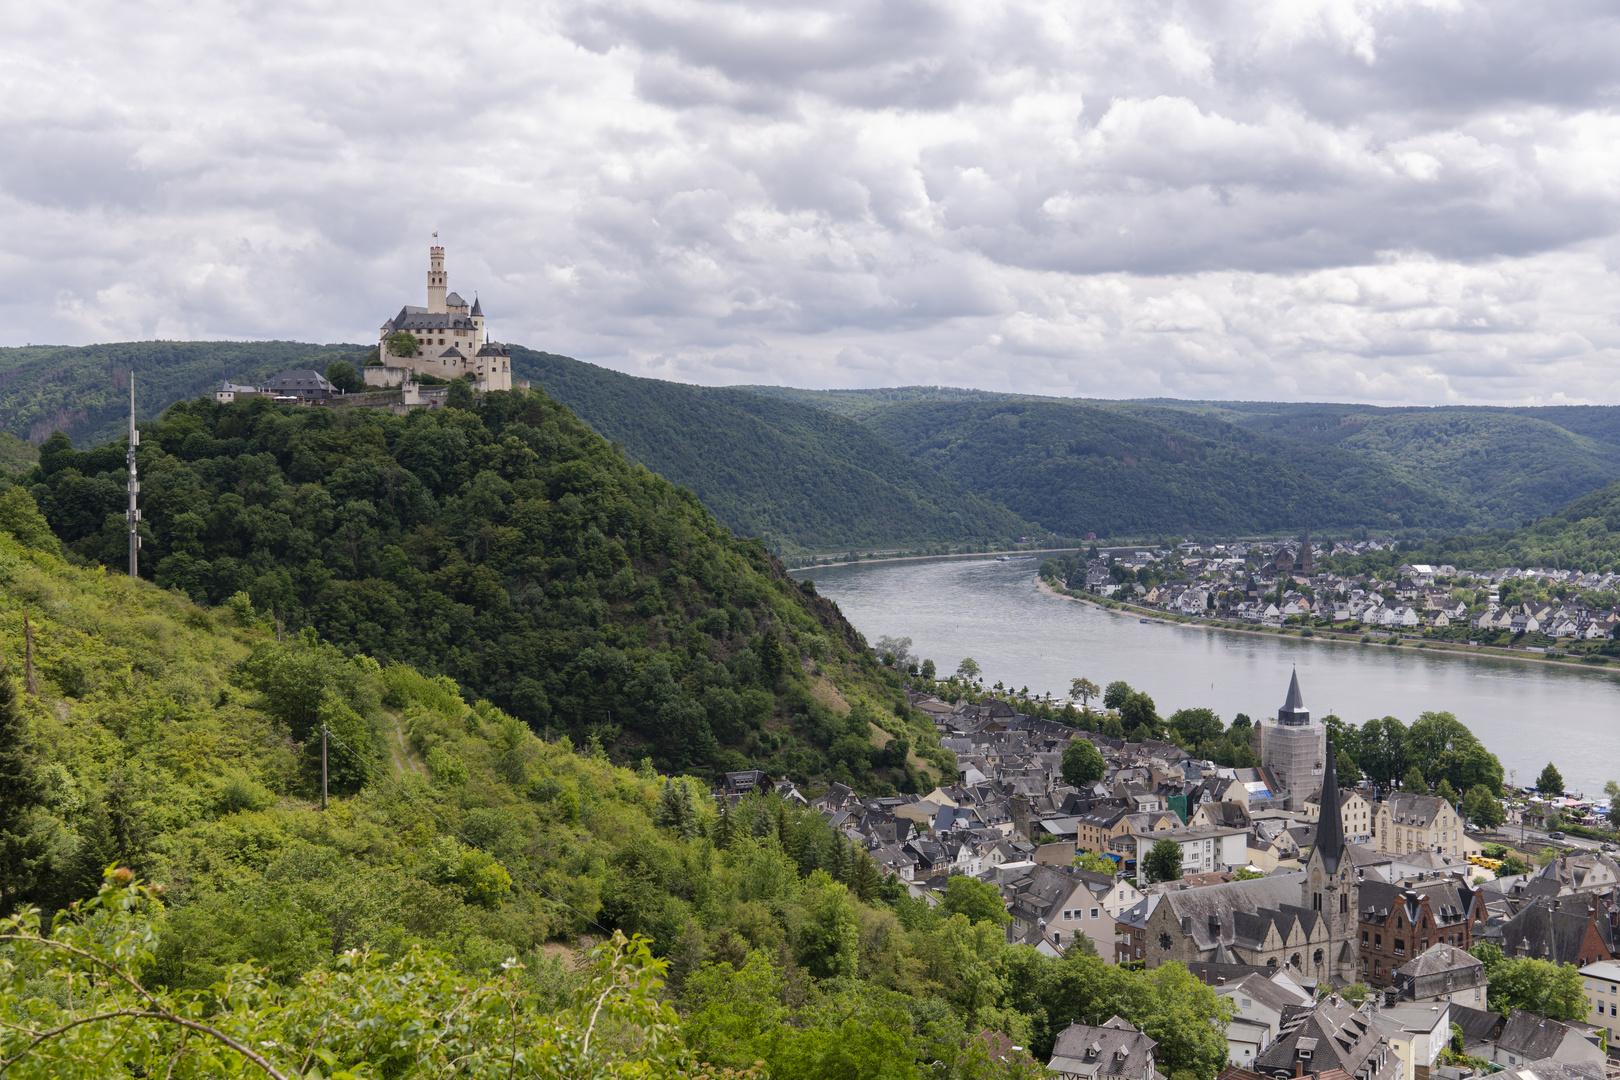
column 73, row 1004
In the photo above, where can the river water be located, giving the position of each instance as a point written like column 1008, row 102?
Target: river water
column 1525, row 712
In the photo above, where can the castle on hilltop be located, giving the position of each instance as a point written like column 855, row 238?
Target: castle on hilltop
column 451, row 341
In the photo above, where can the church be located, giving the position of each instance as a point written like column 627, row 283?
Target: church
column 1307, row 919
column 450, row 337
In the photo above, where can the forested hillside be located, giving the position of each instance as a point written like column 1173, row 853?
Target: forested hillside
column 1509, row 465
column 1584, row 535
column 85, row 391
column 1079, row 468
column 1437, row 470
column 465, row 856
column 800, row 477
column 513, row 550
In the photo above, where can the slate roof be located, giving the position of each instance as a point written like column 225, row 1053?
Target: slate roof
column 1439, row 959
column 1330, row 827
column 1334, row 1034
column 1083, row 1048
column 1546, row 933
column 1194, row 907
column 415, row 318
column 1531, row 1037
column 300, row 381
column 454, row 300
column 1418, row 811
column 1478, row 1025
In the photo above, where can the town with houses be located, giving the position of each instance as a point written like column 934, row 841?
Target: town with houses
column 1337, row 921
column 1276, row 584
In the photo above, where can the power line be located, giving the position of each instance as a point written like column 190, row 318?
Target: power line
column 464, row 839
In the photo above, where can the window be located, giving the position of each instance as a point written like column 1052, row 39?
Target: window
column 1364, row 937
column 1164, row 941
column 1378, row 941
column 1317, row 958
column 1400, row 946
column 1093, row 913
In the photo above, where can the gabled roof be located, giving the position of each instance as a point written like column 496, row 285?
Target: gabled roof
column 1531, row 1037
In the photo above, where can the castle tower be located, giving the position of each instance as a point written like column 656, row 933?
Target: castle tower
column 1293, row 748
column 1306, row 563
column 436, row 283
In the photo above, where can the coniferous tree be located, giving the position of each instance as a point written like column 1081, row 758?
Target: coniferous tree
column 22, row 852
column 1550, row 782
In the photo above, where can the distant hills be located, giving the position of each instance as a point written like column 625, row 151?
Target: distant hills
column 84, row 391
column 803, row 478
column 1136, row 467
column 827, row 471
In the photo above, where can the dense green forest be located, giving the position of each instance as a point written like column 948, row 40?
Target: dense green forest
column 800, row 477
column 812, row 471
column 513, row 550
column 84, row 391
column 466, row 869
column 1585, row 535
column 1079, row 468
column 1509, row 465
column 1423, row 469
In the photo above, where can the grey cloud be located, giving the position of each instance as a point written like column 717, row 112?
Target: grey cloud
column 1357, row 199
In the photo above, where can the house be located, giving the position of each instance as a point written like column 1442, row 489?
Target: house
column 1203, row 848
column 1408, row 823
column 1116, row 1049
column 1259, row 1005
column 303, row 384
column 1602, row 983
column 1331, row 1036
column 228, row 392
column 1443, row 973
column 1354, row 809
column 1067, row 902
column 1572, row 934
column 1416, row 1033
column 1397, row 923
column 1527, row 1037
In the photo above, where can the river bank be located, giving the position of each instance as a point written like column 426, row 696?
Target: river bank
column 1327, row 637
column 1013, row 553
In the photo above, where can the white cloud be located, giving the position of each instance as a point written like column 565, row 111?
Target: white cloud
column 1361, row 199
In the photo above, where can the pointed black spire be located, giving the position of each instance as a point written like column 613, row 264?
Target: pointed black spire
column 1294, row 710
column 1330, row 823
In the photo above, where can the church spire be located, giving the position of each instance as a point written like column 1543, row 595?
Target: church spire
column 1330, row 822
column 1294, row 710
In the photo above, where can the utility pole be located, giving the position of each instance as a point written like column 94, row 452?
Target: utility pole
column 134, row 513
column 323, row 766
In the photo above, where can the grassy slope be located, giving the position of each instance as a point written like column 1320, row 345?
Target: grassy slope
column 801, row 477
column 84, row 391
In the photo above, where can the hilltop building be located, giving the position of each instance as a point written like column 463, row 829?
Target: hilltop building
column 452, row 341
column 1293, row 749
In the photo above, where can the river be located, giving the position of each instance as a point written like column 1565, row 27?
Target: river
column 1526, row 713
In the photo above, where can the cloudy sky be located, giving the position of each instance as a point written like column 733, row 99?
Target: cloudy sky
column 1309, row 199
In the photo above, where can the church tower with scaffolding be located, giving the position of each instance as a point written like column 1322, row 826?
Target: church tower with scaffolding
column 1293, row 749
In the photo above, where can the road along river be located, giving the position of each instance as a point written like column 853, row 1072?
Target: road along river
column 1527, row 713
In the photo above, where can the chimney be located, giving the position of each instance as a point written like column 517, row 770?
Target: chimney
column 1299, row 1067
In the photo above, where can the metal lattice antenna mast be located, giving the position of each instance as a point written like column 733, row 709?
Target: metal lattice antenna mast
column 134, row 514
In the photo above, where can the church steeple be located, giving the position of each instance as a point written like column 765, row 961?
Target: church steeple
column 1293, row 710
column 1330, row 822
